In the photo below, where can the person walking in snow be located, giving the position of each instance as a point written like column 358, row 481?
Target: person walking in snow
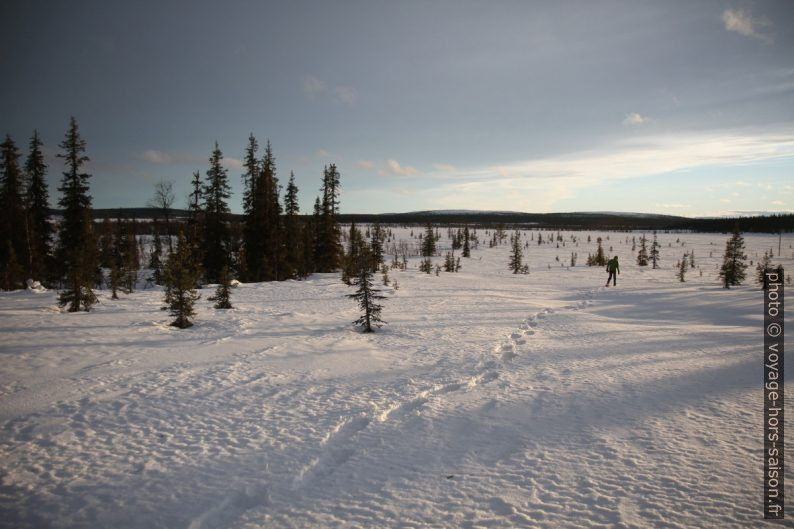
column 614, row 269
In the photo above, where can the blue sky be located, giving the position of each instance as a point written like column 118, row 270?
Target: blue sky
column 666, row 107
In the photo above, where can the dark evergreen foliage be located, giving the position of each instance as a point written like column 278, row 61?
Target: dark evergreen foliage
column 642, row 255
column 38, row 217
column 516, row 254
column 180, row 277
column 293, row 238
column 328, row 249
column 429, row 242
column 654, row 255
column 215, row 193
column 682, row 267
column 13, row 233
column 156, row 256
column 367, row 297
column 223, row 291
column 733, row 267
column 466, row 245
column 76, row 251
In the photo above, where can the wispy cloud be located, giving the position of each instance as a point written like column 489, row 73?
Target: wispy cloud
column 394, row 168
column 168, row 158
column 538, row 184
column 634, row 119
column 315, row 89
column 233, row 164
column 365, row 164
column 312, row 86
column 346, row 95
column 443, row 167
column 744, row 23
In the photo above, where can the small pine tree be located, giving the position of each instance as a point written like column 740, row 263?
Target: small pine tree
column 516, row 254
column 376, row 247
column 180, row 277
column 692, row 259
column 449, row 262
column 223, row 292
column 764, row 264
column 429, row 242
column 466, row 246
column 642, row 255
column 367, row 297
column 385, row 270
column 682, row 266
column 655, row 251
column 732, row 271
column 156, row 257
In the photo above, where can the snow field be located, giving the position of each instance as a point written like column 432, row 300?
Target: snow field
column 489, row 400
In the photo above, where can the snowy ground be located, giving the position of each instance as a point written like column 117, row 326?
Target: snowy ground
column 489, row 400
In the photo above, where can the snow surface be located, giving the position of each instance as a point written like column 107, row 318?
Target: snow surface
column 489, row 400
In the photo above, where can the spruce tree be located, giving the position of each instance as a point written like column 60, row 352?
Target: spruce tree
column 353, row 257
column 655, row 251
column 466, row 247
column 250, row 177
column 449, row 262
column 195, row 219
column 516, row 254
column 764, row 264
column 180, row 277
column 38, row 204
column 600, row 258
column 642, row 255
column 367, row 297
column 429, row 242
column 132, row 261
column 273, row 231
column 293, row 238
column 217, row 241
column 156, row 256
column 328, row 249
column 682, row 266
column 13, row 235
column 76, row 244
column 376, row 247
column 223, row 291
column 118, row 264
column 733, row 267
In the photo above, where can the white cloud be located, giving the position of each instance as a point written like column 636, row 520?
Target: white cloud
column 167, row 158
column 346, row 95
column 778, row 203
column 394, row 168
column 443, row 167
column 744, row 23
column 539, row 184
column 233, row 163
column 312, row 86
column 365, row 164
column 634, row 119
column 314, row 89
